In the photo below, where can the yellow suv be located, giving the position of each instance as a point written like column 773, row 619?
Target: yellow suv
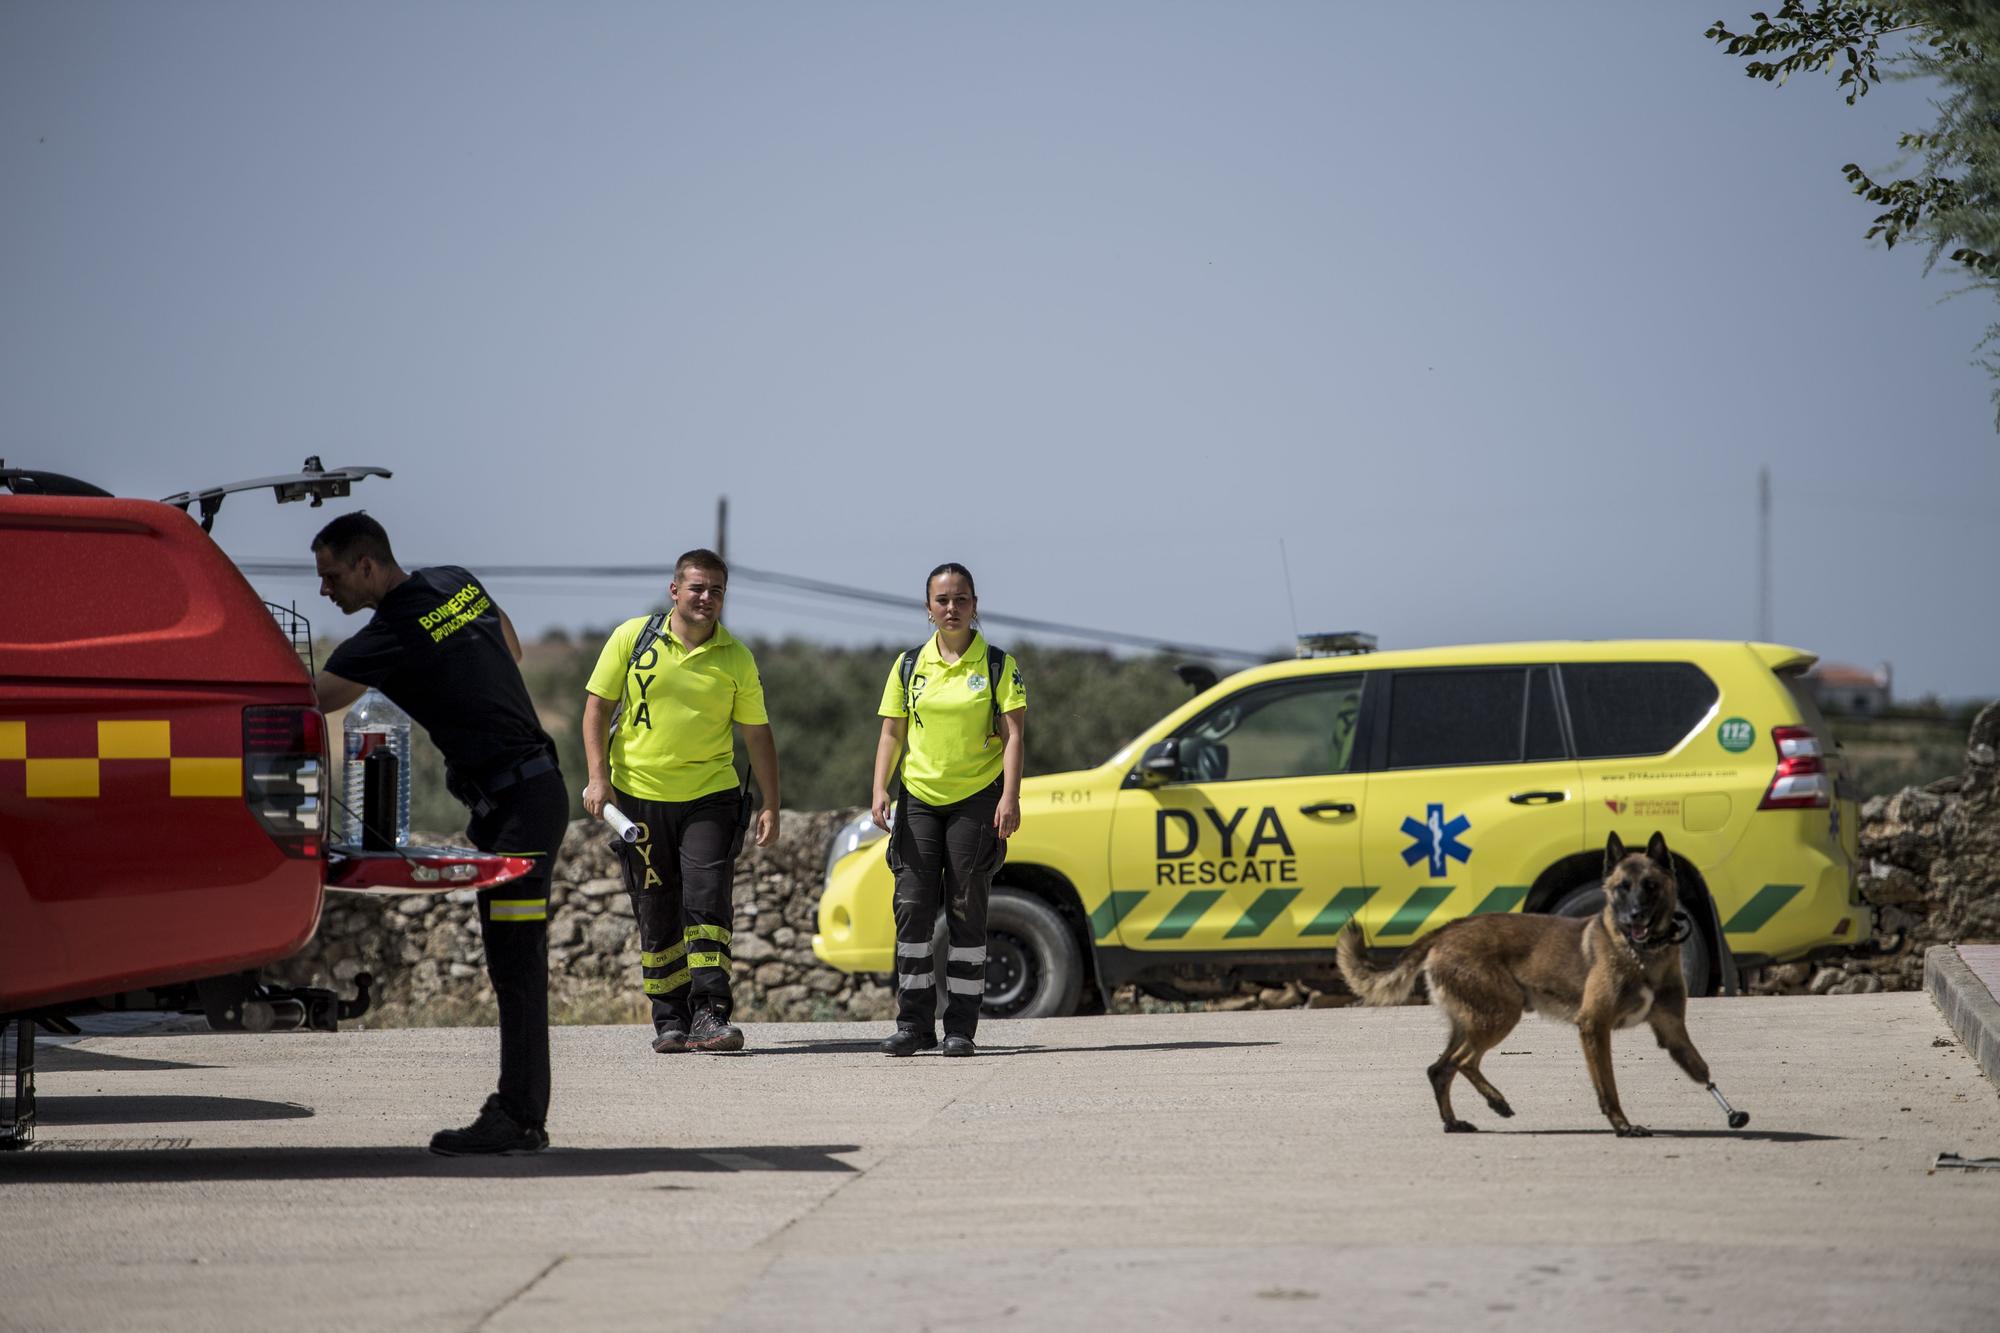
column 1237, row 836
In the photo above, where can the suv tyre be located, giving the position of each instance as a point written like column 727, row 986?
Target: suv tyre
column 1034, row 968
column 1697, row 957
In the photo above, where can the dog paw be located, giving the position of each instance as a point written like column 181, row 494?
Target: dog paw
column 1502, row 1110
column 1633, row 1132
column 1460, row 1127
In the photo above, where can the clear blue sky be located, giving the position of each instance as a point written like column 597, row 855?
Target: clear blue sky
column 1491, row 312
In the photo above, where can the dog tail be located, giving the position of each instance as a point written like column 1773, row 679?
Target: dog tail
column 1380, row 985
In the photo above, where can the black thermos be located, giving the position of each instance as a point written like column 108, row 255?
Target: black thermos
column 378, row 799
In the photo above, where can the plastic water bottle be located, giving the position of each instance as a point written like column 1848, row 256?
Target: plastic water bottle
column 374, row 722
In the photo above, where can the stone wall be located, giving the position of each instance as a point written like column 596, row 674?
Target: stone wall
column 423, row 949
column 1932, row 872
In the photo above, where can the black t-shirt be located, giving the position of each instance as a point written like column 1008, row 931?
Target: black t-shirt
column 435, row 648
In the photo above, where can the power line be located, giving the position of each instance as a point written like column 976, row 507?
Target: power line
column 794, row 583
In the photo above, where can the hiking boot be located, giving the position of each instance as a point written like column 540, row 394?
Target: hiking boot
column 712, row 1032
column 494, row 1131
column 670, row 1041
column 907, row 1041
column 957, row 1045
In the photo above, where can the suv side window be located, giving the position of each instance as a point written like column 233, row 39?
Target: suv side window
column 1295, row 729
column 1541, row 732
column 1484, row 715
column 1623, row 709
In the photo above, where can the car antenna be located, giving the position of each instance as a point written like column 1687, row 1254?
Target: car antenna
column 1291, row 604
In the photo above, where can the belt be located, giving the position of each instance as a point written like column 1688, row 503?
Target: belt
column 484, row 790
column 533, row 768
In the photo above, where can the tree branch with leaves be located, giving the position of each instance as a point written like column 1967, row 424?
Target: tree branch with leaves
column 1951, row 201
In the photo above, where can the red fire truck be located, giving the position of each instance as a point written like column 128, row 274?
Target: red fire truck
column 164, row 785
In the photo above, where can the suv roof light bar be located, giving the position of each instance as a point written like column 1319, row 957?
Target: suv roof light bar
column 1336, row 643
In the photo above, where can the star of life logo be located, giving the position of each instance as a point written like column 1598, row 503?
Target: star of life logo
column 1436, row 838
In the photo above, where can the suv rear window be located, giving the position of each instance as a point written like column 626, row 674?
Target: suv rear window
column 1622, row 709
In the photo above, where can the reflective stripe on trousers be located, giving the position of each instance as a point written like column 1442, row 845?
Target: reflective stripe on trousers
column 519, row 909
column 715, row 955
column 658, row 973
column 965, row 971
column 914, row 969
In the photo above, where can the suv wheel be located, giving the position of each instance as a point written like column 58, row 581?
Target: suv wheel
column 1697, row 958
column 1034, row 968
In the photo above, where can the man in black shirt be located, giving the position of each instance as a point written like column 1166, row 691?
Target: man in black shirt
column 443, row 652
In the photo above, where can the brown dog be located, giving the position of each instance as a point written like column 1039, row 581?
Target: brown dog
column 1609, row 971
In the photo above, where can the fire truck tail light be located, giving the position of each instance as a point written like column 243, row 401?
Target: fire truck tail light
column 456, row 873
column 1801, row 781
column 425, row 869
column 284, row 767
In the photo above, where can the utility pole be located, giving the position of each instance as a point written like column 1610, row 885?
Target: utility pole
column 722, row 526
column 1764, row 554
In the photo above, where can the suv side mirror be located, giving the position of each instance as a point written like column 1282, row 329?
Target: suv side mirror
column 1197, row 676
column 1160, row 764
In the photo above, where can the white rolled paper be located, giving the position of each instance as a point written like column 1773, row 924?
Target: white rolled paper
column 620, row 825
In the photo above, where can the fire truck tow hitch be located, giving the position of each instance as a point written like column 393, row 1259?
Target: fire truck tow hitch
column 241, row 1004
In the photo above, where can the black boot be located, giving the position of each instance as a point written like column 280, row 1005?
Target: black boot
column 494, row 1131
column 907, row 1041
column 713, row 1032
column 957, row 1045
column 670, row 1040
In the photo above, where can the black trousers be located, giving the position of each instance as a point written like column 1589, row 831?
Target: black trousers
column 679, row 874
column 527, row 819
column 944, row 857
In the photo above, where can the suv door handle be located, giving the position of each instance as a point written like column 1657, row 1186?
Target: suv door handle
column 1538, row 797
column 1328, row 808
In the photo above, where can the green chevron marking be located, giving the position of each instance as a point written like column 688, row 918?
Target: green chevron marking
column 1186, row 912
column 1416, row 911
column 1506, row 898
column 1751, row 917
column 1270, row 903
column 1104, row 917
column 1333, row 918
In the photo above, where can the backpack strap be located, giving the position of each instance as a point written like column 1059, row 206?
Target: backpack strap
column 996, row 662
column 908, row 667
column 647, row 638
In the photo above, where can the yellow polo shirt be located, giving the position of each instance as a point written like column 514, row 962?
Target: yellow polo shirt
column 674, row 741
column 951, row 752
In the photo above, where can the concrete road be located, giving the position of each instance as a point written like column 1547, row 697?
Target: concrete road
column 1259, row 1170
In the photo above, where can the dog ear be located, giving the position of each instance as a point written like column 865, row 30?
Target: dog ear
column 1614, row 852
column 1656, row 851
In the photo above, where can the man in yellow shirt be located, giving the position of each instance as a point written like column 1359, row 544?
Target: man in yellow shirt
column 676, row 683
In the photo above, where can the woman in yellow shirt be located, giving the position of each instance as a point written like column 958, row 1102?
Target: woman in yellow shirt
column 956, row 713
